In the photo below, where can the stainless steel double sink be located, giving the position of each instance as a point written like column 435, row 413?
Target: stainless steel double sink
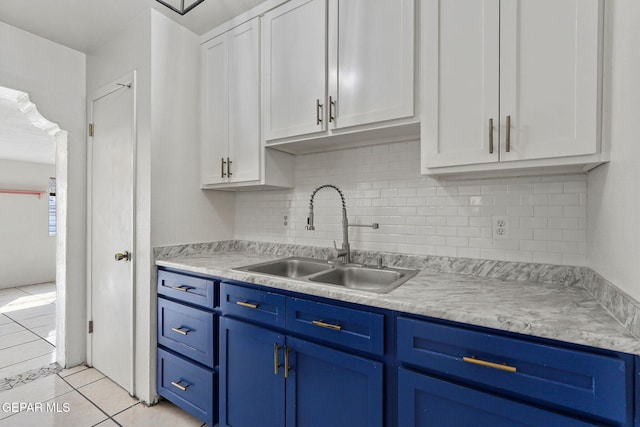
column 366, row 278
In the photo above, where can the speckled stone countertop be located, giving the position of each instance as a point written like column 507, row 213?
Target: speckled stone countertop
column 532, row 307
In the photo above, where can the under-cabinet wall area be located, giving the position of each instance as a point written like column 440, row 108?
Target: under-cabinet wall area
column 546, row 215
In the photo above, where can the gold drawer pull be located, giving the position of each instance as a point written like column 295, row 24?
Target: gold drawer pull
column 489, row 364
column 247, row 304
column 276, row 359
column 327, row 325
column 180, row 386
column 181, row 288
column 180, row 331
column 287, row 368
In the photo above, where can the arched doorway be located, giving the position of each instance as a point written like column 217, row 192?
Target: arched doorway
column 19, row 108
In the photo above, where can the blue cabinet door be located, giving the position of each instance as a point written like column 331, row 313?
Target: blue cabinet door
column 424, row 401
column 251, row 388
column 326, row 387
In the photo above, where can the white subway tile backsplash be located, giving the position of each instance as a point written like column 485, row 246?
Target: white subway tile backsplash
column 418, row 214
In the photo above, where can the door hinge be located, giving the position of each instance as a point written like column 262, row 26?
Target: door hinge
column 90, row 129
column 90, row 326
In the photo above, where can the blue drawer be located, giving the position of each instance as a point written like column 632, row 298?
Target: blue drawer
column 347, row 327
column 253, row 304
column 194, row 290
column 188, row 385
column 424, row 401
column 187, row 330
column 590, row 384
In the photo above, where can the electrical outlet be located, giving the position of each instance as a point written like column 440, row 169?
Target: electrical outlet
column 500, row 228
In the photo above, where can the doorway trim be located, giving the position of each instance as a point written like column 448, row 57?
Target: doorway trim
column 118, row 84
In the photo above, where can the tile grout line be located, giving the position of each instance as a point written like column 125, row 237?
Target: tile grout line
column 18, row 323
column 110, row 417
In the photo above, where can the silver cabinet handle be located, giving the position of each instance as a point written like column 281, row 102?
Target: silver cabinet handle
column 508, row 148
column 229, row 167
column 318, row 112
column 490, row 136
column 180, row 330
column 179, row 386
column 332, row 104
column 222, row 174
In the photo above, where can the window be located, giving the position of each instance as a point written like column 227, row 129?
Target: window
column 52, row 207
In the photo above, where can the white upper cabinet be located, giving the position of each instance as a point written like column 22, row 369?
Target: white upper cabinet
column 294, row 75
column 510, row 84
column 331, row 66
column 215, row 147
column 371, row 50
column 233, row 154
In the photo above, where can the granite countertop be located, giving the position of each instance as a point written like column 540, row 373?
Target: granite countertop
column 548, row 310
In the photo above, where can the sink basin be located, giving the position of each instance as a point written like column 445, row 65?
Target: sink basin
column 379, row 280
column 366, row 279
column 290, row 267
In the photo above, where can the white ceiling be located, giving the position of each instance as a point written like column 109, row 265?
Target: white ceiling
column 86, row 24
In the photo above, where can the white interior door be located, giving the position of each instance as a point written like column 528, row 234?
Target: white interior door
column 111, row 228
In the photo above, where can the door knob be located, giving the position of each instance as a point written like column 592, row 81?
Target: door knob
column 126, row 256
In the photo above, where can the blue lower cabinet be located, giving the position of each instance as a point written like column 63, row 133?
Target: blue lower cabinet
column 326, row 387
column 424, row 401
column 188, row 385
column 251, row 375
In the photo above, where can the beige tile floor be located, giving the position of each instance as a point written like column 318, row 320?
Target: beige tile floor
column 27, row 328
column 80, row 397
column 75, row 397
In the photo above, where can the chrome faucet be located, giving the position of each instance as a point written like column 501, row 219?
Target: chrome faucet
column 345, row 252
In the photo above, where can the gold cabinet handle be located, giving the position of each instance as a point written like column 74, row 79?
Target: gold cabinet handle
column 332, row 104
column 318, row 110
column 475, row 361
column 247, row 304
column 276, row 358
column 326, row 325
column 286, row 362
column 229, row 167
column 180, row 331
column 508, row 148
column 181, row 288
column 490, row 136
column 222, row 174
column 179, row 386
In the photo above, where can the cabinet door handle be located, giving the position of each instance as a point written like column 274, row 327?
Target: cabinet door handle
column 332, row 104
column 229, row 167
column 490, row 136
column 247, row 304
column 475, row 361
column 508, row 148
column 276, row 358
column 286, row 362
column 222, row 174
column 318, row 112
column 180, row 331
column 181, row 288
column 177, row 385
column 326, row 325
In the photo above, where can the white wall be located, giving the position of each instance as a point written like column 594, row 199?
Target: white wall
column 417, row 214
column 29, row 253
column 614, row 195
column 54, row 77
column 180, row 211
column 170, row 207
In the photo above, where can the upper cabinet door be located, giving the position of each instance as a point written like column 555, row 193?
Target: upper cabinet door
column 371, row 61
column 549, row 82
column 460, row 124
column 216, row 121
column 244, row 102
column 294, row 69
